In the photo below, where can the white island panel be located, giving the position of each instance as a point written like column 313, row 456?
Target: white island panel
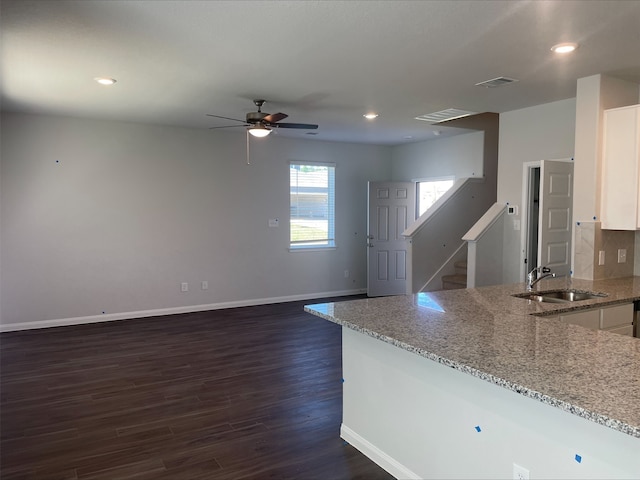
column 420, row 419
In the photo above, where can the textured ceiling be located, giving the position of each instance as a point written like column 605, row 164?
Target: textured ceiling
column 324, row 62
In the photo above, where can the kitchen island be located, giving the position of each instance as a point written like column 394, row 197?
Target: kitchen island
column 467, row 383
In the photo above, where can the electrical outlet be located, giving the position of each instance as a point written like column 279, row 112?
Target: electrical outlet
column 622, row 255
column 346, row 274
column 205, row 285
column 184, row 286
column 520, row 473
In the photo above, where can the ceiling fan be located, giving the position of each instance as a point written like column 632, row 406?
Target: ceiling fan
column 261, row 124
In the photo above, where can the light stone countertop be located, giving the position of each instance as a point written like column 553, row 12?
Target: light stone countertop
column 514, row 343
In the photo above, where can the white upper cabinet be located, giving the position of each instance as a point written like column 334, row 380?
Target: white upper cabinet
column 620, row 208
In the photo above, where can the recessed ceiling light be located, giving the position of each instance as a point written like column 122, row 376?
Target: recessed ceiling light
column 564, row 47
column 370, row 116
column 105, row 80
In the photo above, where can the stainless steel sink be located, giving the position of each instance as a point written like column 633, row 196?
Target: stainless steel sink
column 560, row 296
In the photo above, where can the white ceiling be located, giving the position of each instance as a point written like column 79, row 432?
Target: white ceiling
column 324, row 62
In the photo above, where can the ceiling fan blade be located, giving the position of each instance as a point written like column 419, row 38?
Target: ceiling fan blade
column 229, row 126
column 275, row 117
column 302, row 126
column 226, row 118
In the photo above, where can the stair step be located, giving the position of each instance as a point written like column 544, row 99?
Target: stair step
column 461, row 267
column 452, row 282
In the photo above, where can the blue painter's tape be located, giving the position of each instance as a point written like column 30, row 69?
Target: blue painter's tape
column 478, row 429
column 578, row 458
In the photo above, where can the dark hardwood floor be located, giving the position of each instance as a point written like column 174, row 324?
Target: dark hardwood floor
column 251, row 392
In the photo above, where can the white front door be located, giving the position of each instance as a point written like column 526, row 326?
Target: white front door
column 392, row 208
column 556, row 200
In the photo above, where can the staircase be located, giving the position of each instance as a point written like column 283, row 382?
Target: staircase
column 457, row 280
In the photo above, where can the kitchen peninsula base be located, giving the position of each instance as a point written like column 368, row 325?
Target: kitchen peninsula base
column 420, row 419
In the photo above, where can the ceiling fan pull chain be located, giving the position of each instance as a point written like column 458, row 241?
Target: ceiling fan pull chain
column 248, row 162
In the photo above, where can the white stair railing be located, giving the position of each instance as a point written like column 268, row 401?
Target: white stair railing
column 484, row 248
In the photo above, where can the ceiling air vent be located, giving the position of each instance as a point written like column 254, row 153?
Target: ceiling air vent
column 496, row 82
column 444, row 115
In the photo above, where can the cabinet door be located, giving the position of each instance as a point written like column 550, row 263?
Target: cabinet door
column 626, row 330
column 620, row 199
column 616, row 316
column 586, row 318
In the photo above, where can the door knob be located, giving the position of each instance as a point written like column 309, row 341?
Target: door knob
column 369, row 244
column 370, row 237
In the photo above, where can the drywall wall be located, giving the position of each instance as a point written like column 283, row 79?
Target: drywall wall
column 419, row 419
column 460, row 156
column 112, row 217
column 543, row 132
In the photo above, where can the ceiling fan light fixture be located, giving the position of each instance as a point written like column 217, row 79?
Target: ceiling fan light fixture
column 105, row 80
column 564, row 47
column 259, row 131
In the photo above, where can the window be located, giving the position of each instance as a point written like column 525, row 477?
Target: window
column 312, row 205
column 431, row 190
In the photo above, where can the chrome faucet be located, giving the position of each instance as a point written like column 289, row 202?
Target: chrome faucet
column 533, row 278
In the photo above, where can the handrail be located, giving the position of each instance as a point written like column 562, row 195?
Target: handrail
column 486, row 221
column 484, row 249
column 438, row 273
column 424, row 219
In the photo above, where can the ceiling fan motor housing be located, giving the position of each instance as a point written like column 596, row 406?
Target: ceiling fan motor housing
column 255, row 117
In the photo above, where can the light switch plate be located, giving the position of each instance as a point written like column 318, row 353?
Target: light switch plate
column 601, row 257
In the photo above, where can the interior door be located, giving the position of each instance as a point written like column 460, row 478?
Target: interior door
column 392, row 208
column 556, row 200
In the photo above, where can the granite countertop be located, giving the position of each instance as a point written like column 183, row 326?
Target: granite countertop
column 515, row 343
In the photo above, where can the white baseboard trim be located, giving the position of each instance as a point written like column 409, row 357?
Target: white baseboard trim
column 376, row 455
column 59, row 322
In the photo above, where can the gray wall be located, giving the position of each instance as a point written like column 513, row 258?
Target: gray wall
column 460, row 156
column 111, row 217
column 131, row 211
column 543, row 132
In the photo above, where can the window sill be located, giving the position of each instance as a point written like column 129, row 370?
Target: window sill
column 312, row 249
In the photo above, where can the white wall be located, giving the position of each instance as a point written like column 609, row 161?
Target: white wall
column 111, row 217
column 416, row 418
column 543, row 132
column 460, row 156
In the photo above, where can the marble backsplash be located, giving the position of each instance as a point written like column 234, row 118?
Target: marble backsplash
column 590, row 239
